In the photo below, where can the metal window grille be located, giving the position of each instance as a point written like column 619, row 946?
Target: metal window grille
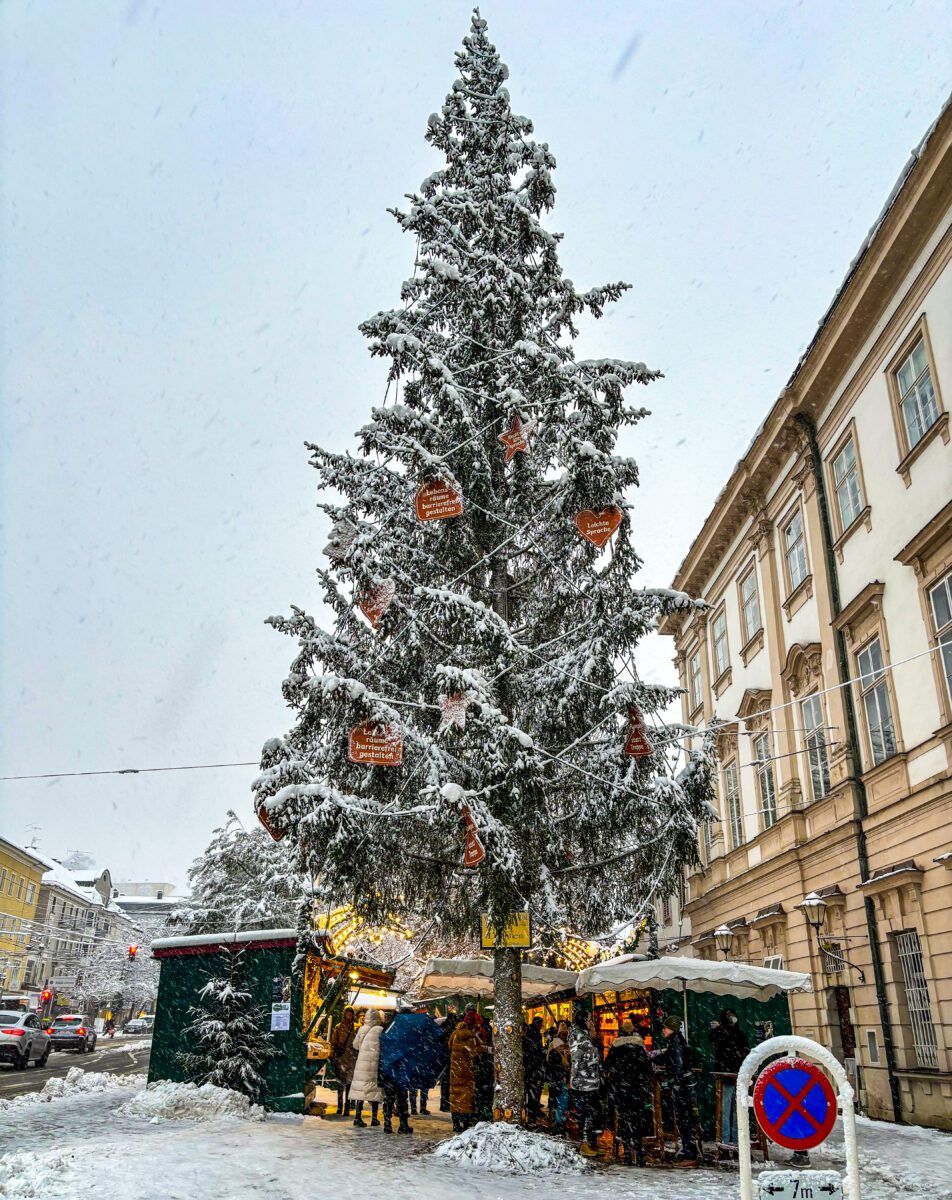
column 917, row 998
column 832, row 958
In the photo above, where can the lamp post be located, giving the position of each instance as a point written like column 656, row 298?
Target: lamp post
column 724, row 940
column 814, row 909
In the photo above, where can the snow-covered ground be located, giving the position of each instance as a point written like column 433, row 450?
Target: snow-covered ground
column 80, row 1145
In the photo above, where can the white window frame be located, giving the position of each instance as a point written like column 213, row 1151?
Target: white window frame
column 876, row 702
column 766, row 784
column 919, row 395
column 719, row 644
column 695, row 680
column 847, row 484
column 814, row 741
column 732, row 804
column 750, row 602
column 943, row 631
column 795, row 551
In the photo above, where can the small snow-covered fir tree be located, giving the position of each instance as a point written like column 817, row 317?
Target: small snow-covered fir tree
column 232, row 1045
column 243, row 880
column 503, row 658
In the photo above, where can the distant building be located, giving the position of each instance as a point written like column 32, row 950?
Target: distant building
column 158, row 891
column 827, row 657
column 20, row 874
column 149, row 910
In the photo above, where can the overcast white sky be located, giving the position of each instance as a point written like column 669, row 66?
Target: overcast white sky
column 194, row 196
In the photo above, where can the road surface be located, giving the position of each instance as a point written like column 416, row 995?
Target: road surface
column 108, row 1056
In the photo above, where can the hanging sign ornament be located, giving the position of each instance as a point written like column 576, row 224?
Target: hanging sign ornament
column 597, row 527
column 637, row 744
column 375, row 745
column 376, row 602
column 343, row 534
column 437, row 500
column 474, row 851
column 516, row 438
column 276, row 833
column 453, row 709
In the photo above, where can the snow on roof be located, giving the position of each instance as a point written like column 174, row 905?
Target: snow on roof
column 57, row 875
column 147, row 900
column 224, row 939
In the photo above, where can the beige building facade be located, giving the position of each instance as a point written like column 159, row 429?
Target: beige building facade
column 826, row 655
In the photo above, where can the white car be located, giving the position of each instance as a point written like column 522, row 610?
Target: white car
column 22, row 1038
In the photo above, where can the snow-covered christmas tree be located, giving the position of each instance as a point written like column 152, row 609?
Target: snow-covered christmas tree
column 471, row 735
column 242, row 880
column 229, row 1032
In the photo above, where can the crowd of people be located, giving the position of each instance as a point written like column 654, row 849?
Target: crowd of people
column 394, row 1061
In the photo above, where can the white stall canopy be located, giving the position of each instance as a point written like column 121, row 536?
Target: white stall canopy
column 474, row 977
column 691, row 974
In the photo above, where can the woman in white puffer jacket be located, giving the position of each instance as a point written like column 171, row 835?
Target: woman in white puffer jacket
column 364, row 1084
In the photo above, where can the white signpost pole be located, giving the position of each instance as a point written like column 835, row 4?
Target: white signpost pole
column 795, row 1047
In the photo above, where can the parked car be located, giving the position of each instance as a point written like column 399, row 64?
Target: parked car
column 139, row 1026
column 73, row 1031
column 22, row 1038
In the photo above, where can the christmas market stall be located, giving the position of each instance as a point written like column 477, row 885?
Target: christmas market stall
column 298, row 1019
column 454, row 981
column 647, row 990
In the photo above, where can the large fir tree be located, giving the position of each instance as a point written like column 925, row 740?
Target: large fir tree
column 505, row 605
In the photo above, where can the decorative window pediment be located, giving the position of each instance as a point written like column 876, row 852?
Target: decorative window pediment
column 803, row 670
column 753, row 709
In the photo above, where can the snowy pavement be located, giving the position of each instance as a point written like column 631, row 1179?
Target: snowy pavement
column 80, row 1146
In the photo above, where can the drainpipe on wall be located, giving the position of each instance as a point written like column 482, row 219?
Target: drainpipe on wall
column 804, row 422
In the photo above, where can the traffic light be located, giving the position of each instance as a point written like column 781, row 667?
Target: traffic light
column 47, row 996
column 133, row 951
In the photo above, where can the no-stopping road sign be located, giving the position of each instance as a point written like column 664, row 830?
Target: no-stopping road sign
column 794, row 1103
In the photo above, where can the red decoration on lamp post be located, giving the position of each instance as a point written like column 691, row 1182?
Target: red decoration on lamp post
column 597, row 527
column 637, row 744
column 438, row 500
column 375, row 745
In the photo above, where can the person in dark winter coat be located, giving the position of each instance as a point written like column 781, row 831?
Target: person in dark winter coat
column 484, row 1070
column 533, row 1067
column 412, row 1055
column 557, row 1075
column 628, row 1073
column 585, row 1077
column 344, row 1058
column 730, row 1046
column 675, row 1055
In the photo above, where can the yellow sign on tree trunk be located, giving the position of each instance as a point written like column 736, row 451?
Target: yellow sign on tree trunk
column 517, row 933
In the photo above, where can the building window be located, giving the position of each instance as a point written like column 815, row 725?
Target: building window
column 940, row 599
column 774, row 962
column 846, row 484
column 917, row 998
column 12, row 884
column 814, row 739
column 3, row 877
column 875, row 695
column 749, row 605
column 30, row 893
column 666, row 911
column 732, row 795
column 708, row 841
column 832, row 954
column 694, row 680
column 765, row 780
column 719, row 635
column 917, row 399
column 20, row 885
column 795, row 551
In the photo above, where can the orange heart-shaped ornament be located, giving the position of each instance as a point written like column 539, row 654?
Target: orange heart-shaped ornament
column 597, row 527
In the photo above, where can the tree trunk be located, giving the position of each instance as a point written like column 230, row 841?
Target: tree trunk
column 507, row 1042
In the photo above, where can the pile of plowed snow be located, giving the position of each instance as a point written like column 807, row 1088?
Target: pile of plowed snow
column 25, row 1173
column 76, row 1082
column 167, row 1101
column 509, row 1150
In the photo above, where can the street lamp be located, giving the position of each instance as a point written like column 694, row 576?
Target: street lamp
column 724, row 940
column 814, row 909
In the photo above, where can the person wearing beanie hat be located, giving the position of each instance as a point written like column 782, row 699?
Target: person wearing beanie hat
column 629, row 1077
column 675, row 1056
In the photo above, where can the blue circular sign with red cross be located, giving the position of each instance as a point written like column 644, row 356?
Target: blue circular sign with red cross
column 794, row 1103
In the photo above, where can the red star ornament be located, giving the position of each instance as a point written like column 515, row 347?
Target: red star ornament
column 516, row 438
